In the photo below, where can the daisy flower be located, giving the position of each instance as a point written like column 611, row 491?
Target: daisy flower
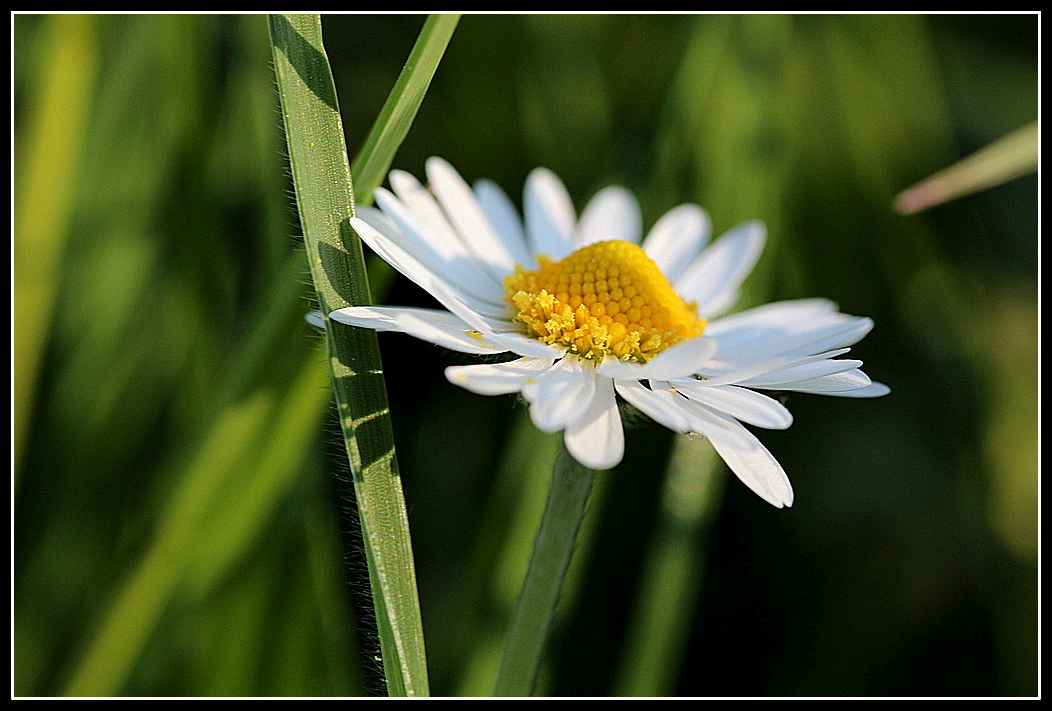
column 592, row 312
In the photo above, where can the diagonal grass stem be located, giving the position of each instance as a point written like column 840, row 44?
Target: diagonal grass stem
column 391, row 126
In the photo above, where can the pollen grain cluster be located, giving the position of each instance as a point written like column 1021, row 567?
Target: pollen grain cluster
column 608, row 298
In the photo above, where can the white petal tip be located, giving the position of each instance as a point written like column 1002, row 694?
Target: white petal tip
column 779, row 500
column 589, row 460
column 871, row 390
column 877, row 390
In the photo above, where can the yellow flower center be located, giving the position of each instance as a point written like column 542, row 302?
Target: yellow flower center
column 608, row 298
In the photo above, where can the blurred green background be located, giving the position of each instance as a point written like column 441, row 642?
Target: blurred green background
column 175, row 454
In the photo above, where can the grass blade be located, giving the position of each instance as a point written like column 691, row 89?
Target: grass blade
column 392, row 125
column 325, row 199
column 44, row 201
column 1006, row 158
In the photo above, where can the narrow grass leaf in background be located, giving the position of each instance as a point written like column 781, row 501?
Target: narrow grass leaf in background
column 1009, row 157
column 44, row 202
column 374, row 158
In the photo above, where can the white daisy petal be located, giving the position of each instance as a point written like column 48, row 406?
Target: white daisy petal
column 549, row 214
column 715, row 425
column 838, row 382
column 596, row 439
column 677, row 238
column 663, row 404
column 428, row 234
column 779, row 314
column 659, row 404
column 717, row 373
column 524, row 345
column 806, row 371
column 678, row 361
column 712, row 280
column 620, row 369
column 744, row 455
column 612, row 214
column 740, row 403
column 871, row 390
column 839, row 336
column 463, row 210
column 439, row 327
column 473, row 283
column 757, row 469
column 497, row 378
column 505, row 219
column 722, row 372
column 793, row 340
column 786, row 328
column 557, row 394
column 470, row 308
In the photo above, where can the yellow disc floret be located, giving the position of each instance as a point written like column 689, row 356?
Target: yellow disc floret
column 608, row 298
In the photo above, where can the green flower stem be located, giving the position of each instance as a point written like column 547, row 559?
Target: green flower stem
column 325, row 198
column 552, row 551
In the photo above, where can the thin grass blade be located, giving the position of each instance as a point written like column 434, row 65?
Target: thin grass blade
column 44, row 199
column 325, row 199
column 392, row 125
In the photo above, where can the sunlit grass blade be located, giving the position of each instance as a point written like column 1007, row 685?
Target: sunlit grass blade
column 1009, row 157
column 373, row 160
column 56, row 128
column 325, row 200
column 374, row 157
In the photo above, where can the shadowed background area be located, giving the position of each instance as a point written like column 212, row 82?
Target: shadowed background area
column 174, row 447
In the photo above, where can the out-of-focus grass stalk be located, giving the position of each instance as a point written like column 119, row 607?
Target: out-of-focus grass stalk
column 744, row 66
column 553, row 548
column 664, row 607
column 244, row 464
column 1006, row 158
column 56, row 127
column 246, row 434
column 242, row 510
column 325, row 199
